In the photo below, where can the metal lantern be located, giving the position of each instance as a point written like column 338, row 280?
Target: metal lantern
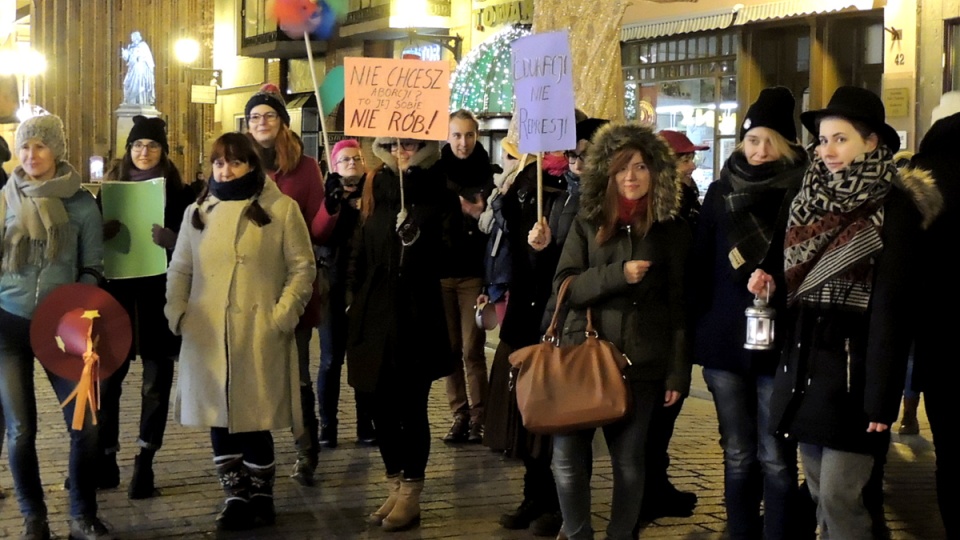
column 760, row 323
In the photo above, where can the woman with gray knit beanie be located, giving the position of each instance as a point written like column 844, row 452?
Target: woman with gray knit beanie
column 50, row 235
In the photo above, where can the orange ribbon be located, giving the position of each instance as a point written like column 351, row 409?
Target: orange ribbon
column 87, row 393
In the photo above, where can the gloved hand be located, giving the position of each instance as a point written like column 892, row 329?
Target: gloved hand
column 163, row 237
column 111, row 228
column 333, row 193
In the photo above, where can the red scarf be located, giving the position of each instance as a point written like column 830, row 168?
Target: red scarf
column 629, row 211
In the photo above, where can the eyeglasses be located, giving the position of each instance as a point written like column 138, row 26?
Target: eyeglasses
column 256, row 118
column 409, row 146
column 685, row 158
column 572, row 156
column 354, row 159
column 151, row 146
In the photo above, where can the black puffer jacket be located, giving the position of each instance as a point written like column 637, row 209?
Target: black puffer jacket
column 645, row 320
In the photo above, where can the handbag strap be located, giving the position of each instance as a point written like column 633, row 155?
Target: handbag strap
column 561, row 296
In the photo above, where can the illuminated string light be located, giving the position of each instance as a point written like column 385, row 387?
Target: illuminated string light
column 482, row 82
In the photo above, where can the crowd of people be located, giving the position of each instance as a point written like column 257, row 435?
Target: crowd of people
column 834, row 236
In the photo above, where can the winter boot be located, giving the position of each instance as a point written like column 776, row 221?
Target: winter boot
column 406, row 513
column 141, row 483
column 236, row 514
column 393, row 491
column 261, row 492
column 908, row 423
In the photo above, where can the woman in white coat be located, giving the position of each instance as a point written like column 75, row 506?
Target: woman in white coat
column 239, row 279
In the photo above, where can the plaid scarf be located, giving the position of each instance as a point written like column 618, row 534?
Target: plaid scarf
column 833, row 233
column 754, row 206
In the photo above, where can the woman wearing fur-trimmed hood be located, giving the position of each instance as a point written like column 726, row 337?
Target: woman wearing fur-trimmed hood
column 627, row 253
column 397, row 342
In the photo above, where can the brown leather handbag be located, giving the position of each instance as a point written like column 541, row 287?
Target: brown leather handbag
column 563, row 389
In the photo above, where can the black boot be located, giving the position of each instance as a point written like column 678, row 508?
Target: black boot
column 141, row 483
column 261, row 493
column 236, row 514
column 108, row 473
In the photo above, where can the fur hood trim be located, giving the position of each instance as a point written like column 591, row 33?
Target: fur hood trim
column 612, row 138
column 921, row 186
column 425, row 157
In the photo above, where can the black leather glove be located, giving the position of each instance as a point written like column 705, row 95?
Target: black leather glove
column 333, row 193
column 111, row 228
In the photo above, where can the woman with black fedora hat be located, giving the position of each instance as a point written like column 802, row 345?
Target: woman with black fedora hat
column 741, row 228
column 849, row 265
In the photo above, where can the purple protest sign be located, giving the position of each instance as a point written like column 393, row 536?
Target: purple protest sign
column 543, row 87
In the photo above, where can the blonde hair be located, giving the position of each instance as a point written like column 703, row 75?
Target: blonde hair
column 788, row 151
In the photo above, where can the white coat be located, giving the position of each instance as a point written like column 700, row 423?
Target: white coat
column 235, row 291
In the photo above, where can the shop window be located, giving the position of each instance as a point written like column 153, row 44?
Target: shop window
column 856, row 45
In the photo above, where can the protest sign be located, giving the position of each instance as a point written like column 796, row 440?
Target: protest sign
column 137, row 206
column 387, row 97
column 543, row 87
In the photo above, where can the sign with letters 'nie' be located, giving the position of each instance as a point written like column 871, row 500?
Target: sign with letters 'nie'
column 388, row 97
column 543, row 87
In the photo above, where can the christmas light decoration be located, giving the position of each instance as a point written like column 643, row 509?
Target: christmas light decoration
column 482, row 82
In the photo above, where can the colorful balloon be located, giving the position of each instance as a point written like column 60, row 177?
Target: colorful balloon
column 327, row 21
column 295, row 17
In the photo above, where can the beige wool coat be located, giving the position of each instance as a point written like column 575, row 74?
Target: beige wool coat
column 235, row 292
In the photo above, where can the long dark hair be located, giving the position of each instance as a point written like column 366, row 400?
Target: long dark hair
column 236, row 147
column 611, row 199
column 120, row 171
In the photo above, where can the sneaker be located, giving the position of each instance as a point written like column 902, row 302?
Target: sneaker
column 522, row 516
column 475, row 433
column 548, row 524
column 459, row 431
column 89, row 528
column 35, row 528
column 303, row 470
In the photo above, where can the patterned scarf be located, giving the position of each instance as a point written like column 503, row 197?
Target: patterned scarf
column 833, row 232
column 754, row 206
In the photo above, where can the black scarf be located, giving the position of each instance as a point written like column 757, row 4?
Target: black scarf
column 759, row 193
column 467, row 176
column 241, row 189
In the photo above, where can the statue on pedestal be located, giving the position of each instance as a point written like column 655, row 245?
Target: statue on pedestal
column 138, row 84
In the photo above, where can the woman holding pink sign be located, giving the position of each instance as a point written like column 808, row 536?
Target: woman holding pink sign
column 398, row 342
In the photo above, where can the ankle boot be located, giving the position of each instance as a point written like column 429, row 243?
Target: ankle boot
column 406, row 513
column 909, row 424
column 261, row 492
column 108, row 473
column 236, row 515
column 305, row 467
column 141, row 483
column 393, row 491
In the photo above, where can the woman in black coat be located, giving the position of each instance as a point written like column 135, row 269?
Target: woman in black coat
column 398, row 342
column 146, row 157
column 741, row 228
column 849, row 261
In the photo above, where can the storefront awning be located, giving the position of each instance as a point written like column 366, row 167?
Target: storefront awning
column 677, row 25
column 796, row 8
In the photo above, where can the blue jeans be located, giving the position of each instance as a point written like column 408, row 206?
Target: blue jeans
column 626, row 441
column 18, row 400
column 756, row 465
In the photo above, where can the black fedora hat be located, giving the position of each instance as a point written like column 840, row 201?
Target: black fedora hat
column 859, row 104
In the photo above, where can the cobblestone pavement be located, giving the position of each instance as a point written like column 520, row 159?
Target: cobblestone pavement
column 467, row 486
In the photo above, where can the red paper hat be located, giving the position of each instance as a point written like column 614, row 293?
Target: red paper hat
column 62, row 323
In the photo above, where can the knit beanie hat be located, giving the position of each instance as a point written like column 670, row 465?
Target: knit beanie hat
column 586, row 128
column 949, row 105
column 154, row 129
column 773, row 109
column 269, row 95
column 49, row 130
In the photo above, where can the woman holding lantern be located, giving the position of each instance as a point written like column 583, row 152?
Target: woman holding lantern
column 851, row 237
column 741, row 229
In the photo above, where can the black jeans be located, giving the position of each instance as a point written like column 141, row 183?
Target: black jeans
column 403, row 430
column 143, row 299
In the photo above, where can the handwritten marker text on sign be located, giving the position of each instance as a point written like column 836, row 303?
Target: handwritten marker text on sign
column 388, row 97
column 543, row 87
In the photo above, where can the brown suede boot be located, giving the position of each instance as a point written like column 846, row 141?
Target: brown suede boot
column 406, row 513
column 393, row 491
